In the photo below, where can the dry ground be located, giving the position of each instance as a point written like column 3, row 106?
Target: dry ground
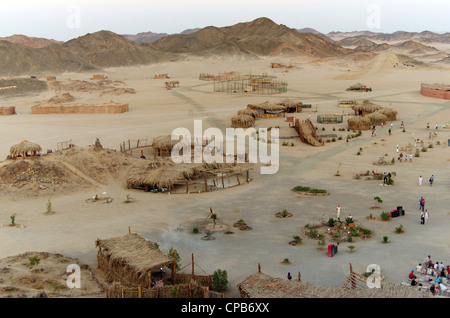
column 169, row 219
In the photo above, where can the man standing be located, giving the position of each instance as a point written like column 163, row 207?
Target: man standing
column 431, row 180
column 422, row 218
column 420, row 180
column 338, row 212
column 426, row 216
column 421, row 204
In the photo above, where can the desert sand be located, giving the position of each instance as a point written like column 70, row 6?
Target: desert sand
column 169, row 219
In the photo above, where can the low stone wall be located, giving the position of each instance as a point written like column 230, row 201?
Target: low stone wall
column 6, row 111
column 79, row 109
column 436, row 93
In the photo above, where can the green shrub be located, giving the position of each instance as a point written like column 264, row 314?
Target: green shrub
column 195, row 230
column 34, row 260
column 321, row 243
column 349, row 238
column 220, row 280
column 351, row 247
column 13, row 219
column 331, row 222
column 424, row 149
column 399, row 229
column 385, row 216
column 297, row 238
column 385, row 239
column 173, row 253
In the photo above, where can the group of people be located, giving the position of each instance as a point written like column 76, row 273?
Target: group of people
column 431, row 180
column 431, row 270
column 400, row 157
column 424, row 215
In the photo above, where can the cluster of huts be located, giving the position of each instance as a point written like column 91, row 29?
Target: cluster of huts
column 368, row 114
column 246, row 117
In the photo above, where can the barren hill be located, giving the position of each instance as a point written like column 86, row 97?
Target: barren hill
column 407, row 47
column 259, row 37
column 27, row 41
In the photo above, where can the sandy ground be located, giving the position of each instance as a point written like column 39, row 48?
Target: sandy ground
column 169, row 219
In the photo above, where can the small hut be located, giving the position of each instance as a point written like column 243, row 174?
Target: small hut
column 359, row 123
column 249, row 112
column 242, row 121
column 365, row 107
column 291, row 106
column 25, row 149
column 389, row 113
column 268, row 110
column 162, row 145
column 357, row 87
column 377, row 118
column 130, row 260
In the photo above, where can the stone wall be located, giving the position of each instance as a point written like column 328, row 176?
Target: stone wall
column 436, row 93
column 6, row 111
column 56, row 108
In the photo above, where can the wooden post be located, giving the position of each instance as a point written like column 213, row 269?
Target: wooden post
column 248, row 177
column 259, row 268
column 237, row 176
column 123, row 296
column 206, row 186
column 139, row 291
column 149, row 279
column 187, row 186
column 299, row 277
column 129, row 229
column 129, row 147
column 174, row 265
column 223, row 185
column 106, row 289
column 352, row 278
column 193, row 266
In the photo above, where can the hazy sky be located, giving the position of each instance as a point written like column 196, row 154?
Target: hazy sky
column 64, row 20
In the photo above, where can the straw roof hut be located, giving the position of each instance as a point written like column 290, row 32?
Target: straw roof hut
column 291, row 105
column 165, row 176
column 389, row 113
column 365, row 107
column 163, row 144
column 248, row 112
column 242, row 121
column 260, row 285
column 130, row 259
column 357, row 87
column 359, row 123
column 25, row 148
column 377, row 118
column 267, row 110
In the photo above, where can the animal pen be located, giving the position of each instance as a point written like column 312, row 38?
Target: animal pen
column 133, row 264
column 253, row 84
column 329, row 119
column 191, row 177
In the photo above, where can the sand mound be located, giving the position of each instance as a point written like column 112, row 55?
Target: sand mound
column 36, row 176
column 103, row 165
column 46, row 278
column 104, row 86
column 62, row 98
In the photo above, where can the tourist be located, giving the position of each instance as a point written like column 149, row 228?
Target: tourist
column 397, row 148
column 422, row 204
column 419, row 268
column 338, row 212
column 443, row 287
column 426, row 216
column 411, row 275
column 422, row 217
column 420, row 180
column 428, row 125
column 431, row 180
column 401, row 125
column 441, row 266
column 432, row 289
column 438, row 279
column 410, row 157
column 289, row 276
column 389, row 131
column 413, row 282
column 437, row 126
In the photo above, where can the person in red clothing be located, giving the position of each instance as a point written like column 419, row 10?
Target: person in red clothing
column 411, row 275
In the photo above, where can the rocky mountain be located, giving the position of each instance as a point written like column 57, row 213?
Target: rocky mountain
column 314, row 31
column 260, row 37
column 407, row 47
column 145, row 37
column 32, row 42
column 396, row 37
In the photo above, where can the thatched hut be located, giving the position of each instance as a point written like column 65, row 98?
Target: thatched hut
column 260, row 285
column 291, row 106
column 162, row 145
column 359, row 123
column 164, row 177
column 130, row 259
column 377, row 118
column 268, row 110
column 242, row 121
column 365, row 107
column 357, row 87
column 389, row 113
column 248, row 112
column 25, row 149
